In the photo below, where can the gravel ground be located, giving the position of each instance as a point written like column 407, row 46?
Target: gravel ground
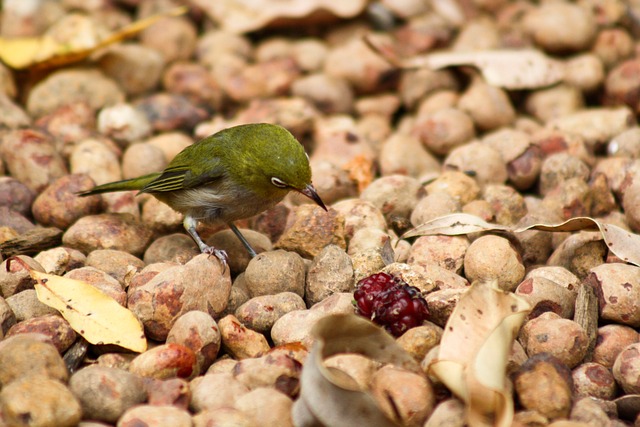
column 390, row 148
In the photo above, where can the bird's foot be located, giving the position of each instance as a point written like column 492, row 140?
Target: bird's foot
column 218, row 253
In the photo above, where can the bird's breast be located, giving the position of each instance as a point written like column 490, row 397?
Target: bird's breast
column 215, row 204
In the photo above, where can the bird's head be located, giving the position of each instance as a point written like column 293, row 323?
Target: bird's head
column 272, row 162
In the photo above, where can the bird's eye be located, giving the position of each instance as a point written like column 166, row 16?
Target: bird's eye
column 278, row 182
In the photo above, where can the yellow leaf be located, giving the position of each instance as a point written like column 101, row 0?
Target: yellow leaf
column 91, row 313
column 47, row 51
column 474, row 351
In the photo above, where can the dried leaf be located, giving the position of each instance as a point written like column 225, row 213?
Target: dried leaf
column 510, row 69
column 48, row 51
column 330, row 397
column 474, row 352
column 91, row 313
column 624, row 244
column 241, row 16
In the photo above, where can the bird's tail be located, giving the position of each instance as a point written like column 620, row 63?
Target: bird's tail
column 124, row 185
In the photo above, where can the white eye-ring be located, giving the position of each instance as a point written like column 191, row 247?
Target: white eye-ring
column 278, row 182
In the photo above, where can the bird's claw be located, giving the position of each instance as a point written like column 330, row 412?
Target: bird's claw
column 218, row 253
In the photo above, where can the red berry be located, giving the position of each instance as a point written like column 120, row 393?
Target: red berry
column 368, row 289
column 391, row 303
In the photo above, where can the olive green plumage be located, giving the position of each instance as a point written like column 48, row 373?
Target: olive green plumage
column 233, row 174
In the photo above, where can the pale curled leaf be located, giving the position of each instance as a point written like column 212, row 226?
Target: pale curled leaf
column 454, row 225
column 328, row 397
column 624, row 244
column 241, row 16
column 91, row 313
column 474, row 352
column 510, row 69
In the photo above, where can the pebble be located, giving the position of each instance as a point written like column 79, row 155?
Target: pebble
column 239, row 341
column 108, row 231
column 7, row 317
column 197, row 331
column 42, row 401
column 69, row 124
column 58, row 205
column 359, row 65
column 123, row 123
column 155, row 415
column 12, row 116
column 261, row 312
column 13, row 224
column 275, row 370
column 267, row 407
column 273, row 272
column 617, row 284
column 330, row 272
column 543, row 384
column 135, row 68
column 564, row 339
column 493, row 258
column 200, row 284
column 239, row 257
column 331, row 95
column 72, row 85
column 120, row 265
column 394, row 195
column 310, row 228
column 296, row 325
column 412, row 403
column 444, row 251
column 28, row 355
column 26, row 305
column 15, row 276
column 177, row 247
column 357, row 214
column 174, row 37
column 142, row 159
column 31, row 158
column 106, row 393
column 215, row 390
column 15, row 195
column 170, row 112
column 195, row 82
column 165, row 361
column 405, row 154
column 222, row 416
column 97, row 159
column 53, row 326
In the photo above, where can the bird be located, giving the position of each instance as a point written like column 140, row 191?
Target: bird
column 233, row 174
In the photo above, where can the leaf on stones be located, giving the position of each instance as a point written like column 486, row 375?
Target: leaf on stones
column 90, row 312
column 624, row 244
column 510, row 69
column 73, row 40
column 241, row 16
column 329, row 396
column 454, row 225
column 474, row 352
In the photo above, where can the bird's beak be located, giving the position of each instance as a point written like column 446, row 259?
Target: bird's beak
column 311, row 193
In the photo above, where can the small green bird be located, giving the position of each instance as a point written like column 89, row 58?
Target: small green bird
column 233, row 174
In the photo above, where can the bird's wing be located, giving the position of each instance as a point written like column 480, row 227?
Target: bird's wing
column 182, row 177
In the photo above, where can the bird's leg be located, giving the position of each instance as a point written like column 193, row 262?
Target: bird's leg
column 242, row 239
column 190, row 224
